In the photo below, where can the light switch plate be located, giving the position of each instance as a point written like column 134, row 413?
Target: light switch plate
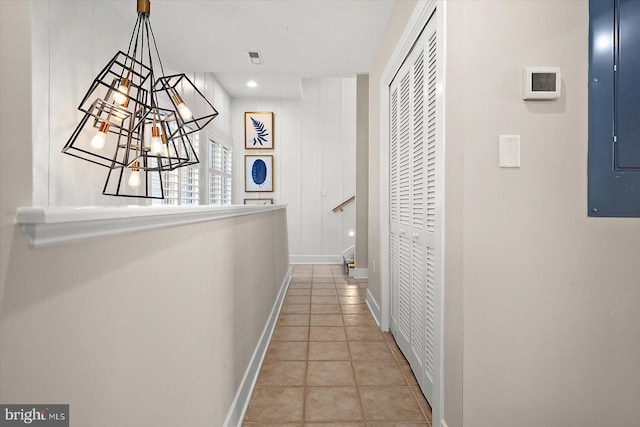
column 509, row 151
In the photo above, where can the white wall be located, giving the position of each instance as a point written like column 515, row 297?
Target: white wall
column 69, row 50
column 362, row 171
column 551, row 324
column 314, row 151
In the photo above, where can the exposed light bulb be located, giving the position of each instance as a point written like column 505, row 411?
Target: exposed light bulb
column 97, row 142
column 165, row 148
column 184, row 111
column 156, row 141
column 134, row 178
column 125, row 86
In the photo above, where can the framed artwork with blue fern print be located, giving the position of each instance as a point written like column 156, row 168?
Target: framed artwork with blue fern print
column 258, row 130
column 258, row 173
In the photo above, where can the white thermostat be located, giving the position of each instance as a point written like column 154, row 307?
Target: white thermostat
column 541, row 83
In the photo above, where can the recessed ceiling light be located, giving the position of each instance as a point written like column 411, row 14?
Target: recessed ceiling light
column 252, row 83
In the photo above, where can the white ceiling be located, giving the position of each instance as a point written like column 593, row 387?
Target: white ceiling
column 297, row 38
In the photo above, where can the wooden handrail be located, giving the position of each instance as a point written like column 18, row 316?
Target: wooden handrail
column 343, row 204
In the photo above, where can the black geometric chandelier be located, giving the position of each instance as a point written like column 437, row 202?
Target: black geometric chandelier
column 135, row 121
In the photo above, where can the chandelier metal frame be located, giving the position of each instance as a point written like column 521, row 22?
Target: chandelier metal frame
column 136, row 122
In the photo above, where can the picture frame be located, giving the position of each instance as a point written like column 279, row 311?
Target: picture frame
column 258, row 202
column 258, row 173
column 258, row 130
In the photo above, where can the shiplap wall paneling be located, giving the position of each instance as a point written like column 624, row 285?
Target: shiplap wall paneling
column 314, row 155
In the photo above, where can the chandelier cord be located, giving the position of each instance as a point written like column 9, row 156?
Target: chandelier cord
column 153, row 76
column 153, row 37
column 130, row 58
column 133, row 33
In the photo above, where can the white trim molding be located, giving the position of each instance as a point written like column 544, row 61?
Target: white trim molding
column 315, row 259
column 240, row 403
column 53, row 226
column 374, row 308
column 360, row 273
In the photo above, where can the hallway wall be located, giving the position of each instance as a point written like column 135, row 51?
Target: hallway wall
column 315, row 152
column 150, row 328
column 362, row 171
column 551, row 324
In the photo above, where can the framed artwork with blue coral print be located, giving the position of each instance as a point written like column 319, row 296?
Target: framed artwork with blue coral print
column 258, row 130
column 258, row 173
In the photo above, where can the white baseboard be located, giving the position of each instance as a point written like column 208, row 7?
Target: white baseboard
column 315, row 259
column 360, row 273
column 243, row 395
column 374, row 308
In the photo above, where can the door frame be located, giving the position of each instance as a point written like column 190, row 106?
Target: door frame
column 422, row 13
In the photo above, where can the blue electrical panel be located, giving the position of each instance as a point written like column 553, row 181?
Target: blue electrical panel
column 614, row 108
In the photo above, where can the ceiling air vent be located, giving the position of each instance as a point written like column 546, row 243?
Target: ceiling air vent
column 255, row 57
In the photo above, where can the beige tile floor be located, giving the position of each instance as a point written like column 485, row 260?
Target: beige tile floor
column 328, row 364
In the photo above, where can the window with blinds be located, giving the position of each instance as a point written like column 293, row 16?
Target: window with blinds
column 182, row 185
column 219, row 173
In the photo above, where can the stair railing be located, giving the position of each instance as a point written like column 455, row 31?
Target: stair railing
column 341, row 206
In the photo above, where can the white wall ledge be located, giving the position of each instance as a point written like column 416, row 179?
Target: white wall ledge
column 51, row 226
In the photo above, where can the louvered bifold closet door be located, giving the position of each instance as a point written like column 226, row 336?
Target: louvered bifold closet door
column 404, row 197
column 408, row 215
column 394, row 205
column 413, row 215
column 433, row 224
column 400, row 206
column 418, row 217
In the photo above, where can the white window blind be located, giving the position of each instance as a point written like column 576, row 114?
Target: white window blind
column 182, row 185
column 220, row 179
